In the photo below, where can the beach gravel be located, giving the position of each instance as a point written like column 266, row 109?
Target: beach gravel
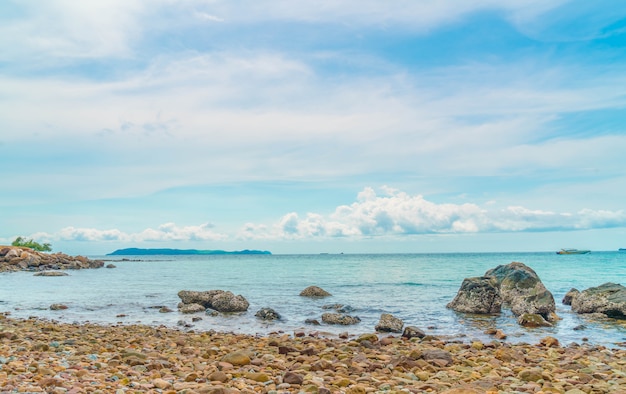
column 40, row 356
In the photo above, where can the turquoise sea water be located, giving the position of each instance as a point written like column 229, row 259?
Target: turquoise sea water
column 413, row 287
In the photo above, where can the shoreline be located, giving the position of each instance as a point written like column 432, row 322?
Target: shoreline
column 53, row 357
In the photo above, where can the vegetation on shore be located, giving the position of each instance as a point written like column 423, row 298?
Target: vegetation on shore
column 30, row 243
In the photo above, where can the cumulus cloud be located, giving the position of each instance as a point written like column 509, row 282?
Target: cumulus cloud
column 164, row 233
column 390, row 212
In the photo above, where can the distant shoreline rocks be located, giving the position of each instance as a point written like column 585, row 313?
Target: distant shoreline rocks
column 177, row 252
column 18, row 258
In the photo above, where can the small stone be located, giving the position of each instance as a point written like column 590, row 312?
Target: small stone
column 161, row 383
column 293, row 378
column 237, row 358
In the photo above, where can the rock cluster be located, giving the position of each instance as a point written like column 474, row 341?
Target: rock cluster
column 515, row 285
column 14, row 258
column 44, row 357
column 217, row 300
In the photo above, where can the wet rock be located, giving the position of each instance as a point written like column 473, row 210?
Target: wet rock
column 111, row 266
column 191, row 308
column 51, row 273
column 58, row 307
column 569, row 296
column 478, row 295
column 218, row 300
column 267, row 314
column 228, row 302
column 608, row 299
column 341, row 308
column 314, row 291
column 523, row 291
column 389, row 323
column 338, row 318
column 313, row 322
column 532, row 320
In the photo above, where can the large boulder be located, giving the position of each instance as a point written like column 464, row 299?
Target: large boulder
column 478, row 295
column 219, row 300
column 608, row 298
column 523, row 291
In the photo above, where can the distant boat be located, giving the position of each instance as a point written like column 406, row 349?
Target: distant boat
column 573, row 251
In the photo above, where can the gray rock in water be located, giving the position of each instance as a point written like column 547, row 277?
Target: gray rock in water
column 314, row 291
column 532, row 320
column 203, row 298
column 341, row 308
column 523, row 291
column 228, row 302
column 219, row 300
column 478, row 295
column 191, row 308
column 338, row 318
column 51, row 273
column 389, row 323
column 267, row 314
column 58, row 307
column 608, row 299
column 569, row 296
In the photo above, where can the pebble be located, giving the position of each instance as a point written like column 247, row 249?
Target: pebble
column 50, row 357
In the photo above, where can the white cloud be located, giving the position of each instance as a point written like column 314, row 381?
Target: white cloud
column 391, row 212
column 164, row 233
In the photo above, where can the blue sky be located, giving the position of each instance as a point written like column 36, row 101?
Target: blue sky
column 314, row 126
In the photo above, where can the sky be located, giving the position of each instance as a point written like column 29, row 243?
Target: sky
column 400, row 126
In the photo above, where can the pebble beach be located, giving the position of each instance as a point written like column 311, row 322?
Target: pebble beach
column 46, row 356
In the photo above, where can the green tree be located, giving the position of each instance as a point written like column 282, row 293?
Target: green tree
column 29, row 243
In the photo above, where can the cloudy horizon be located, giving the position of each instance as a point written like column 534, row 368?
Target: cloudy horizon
column 312, row 127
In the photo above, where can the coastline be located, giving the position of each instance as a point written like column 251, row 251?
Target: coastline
column 47, row 356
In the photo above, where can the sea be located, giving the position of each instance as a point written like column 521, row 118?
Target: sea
column 412, row 287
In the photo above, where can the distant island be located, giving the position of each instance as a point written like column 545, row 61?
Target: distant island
column 170, row 252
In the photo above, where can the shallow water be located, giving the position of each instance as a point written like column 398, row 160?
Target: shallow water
column 413, row 287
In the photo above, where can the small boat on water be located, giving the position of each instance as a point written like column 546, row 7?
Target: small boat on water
column 573, row 251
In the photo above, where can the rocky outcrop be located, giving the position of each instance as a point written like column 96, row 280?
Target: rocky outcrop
column 608, row 299
column 314, row 291
column 522, row 290
column 218, row 300
column 389, row 323
column 338, row 318
column 14, row 258
column 479, row 295
column 514, row 285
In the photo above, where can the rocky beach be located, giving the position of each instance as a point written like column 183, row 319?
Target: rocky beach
column 50, row 357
